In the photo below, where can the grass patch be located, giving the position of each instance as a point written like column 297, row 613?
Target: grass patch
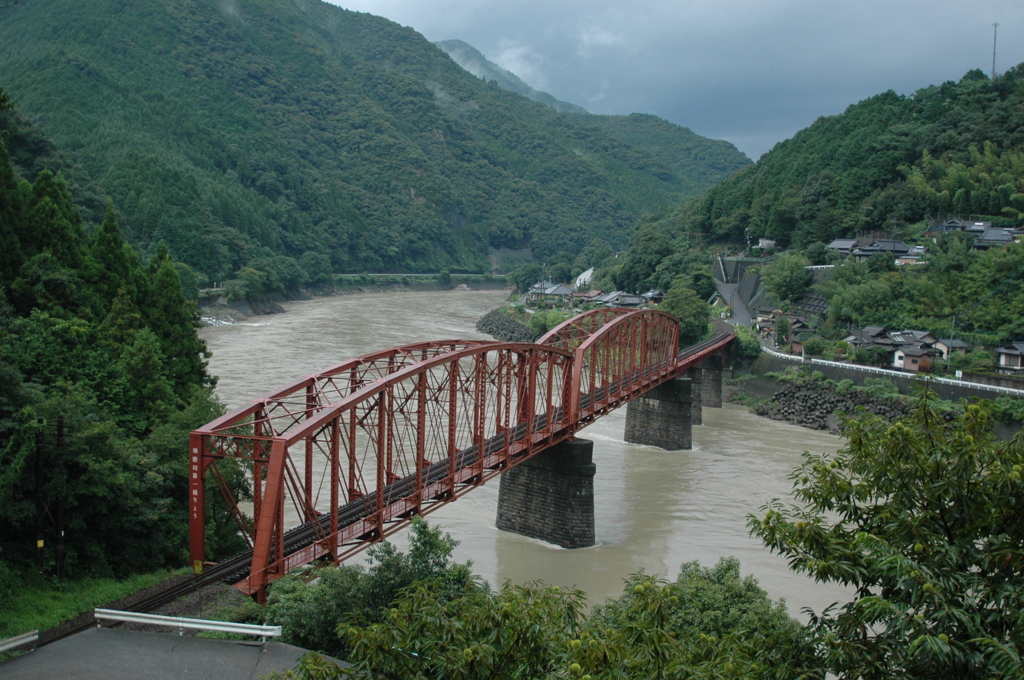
column 40, row 605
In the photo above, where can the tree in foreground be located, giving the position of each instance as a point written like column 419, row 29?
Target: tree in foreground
column 709, row 623
column 310, row 612
column 923, row 518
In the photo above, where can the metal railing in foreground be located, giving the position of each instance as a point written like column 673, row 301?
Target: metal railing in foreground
column 182, row 623
column 19, row 641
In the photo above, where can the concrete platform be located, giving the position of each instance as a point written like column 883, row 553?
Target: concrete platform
column 112, row 654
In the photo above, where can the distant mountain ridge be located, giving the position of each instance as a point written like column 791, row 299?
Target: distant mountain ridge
column 686, row 153
column 249, row 135
column 471, row 59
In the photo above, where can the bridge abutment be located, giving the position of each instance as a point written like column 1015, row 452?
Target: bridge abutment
column 551, row 495
column 662, row 417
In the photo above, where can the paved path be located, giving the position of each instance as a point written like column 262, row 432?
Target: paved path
column 740, row 313
column 113, row 654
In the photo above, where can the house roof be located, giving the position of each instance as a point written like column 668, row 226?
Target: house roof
column 548, row 288
column 620, row 297
column 867, row 336
column 885, row 246
column 608, row 297
column 994, row 237
column 917, row 351
column 919, row 335
column 953, row 343
column 1015, row 347
column 843, row 243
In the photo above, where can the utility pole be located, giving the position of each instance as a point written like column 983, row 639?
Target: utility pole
column 995, row 29
column 62, row 493
column 40, row 500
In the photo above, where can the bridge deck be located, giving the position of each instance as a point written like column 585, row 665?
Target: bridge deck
column 623, row 355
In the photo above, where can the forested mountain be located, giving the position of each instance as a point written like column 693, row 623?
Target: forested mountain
column 698, row 162
column 102, row 376
column 273, row 135
column 887, row 163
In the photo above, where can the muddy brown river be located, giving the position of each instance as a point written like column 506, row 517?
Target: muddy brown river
column 654, row 509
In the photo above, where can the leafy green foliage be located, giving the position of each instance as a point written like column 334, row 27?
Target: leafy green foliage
column 310, row 613
column 543, row 321
column 887, row 162
column 91, row 338
column 787, row 277
column 692, row 313
column 923, row 518
column 981, row 289
column 749, row 343
column 518, row 632
column 709, row 623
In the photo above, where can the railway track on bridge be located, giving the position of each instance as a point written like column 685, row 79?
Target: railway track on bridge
column 237, row 568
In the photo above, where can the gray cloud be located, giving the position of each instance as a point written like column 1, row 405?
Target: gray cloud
column 749, row 71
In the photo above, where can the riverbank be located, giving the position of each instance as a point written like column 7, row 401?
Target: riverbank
column 218, row 311
column 817, row 400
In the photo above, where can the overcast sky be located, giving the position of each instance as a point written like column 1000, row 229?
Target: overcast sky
column 753, row 72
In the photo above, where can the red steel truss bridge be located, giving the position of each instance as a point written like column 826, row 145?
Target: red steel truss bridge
column 345, row 457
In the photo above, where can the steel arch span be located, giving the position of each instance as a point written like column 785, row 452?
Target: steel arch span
column 342, row 458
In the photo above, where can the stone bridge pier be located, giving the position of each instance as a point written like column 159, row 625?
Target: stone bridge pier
column 551, row 495
column 665, row 416
column 711, row 382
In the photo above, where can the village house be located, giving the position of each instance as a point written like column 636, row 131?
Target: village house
column 909, row 350
column 993, row 238
column 949, row 345
column 985, row 235
column 549, row 293
column 914, row 359
column 653, row 296
column 586, row 295
column 937, row 228
column 868, row 336
column 619, row 298
column 1011, row 358
column 896, row 249
column 843, row 246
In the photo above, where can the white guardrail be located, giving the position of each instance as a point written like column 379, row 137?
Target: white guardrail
column 182, row 623
column 18, row 641
column 885, row 371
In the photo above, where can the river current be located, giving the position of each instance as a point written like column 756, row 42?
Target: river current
column 654, row 509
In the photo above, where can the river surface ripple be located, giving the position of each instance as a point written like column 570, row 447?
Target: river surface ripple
column 654, row 509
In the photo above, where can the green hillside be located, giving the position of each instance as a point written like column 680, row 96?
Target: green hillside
column 244, row 133
column 698, row 162
column 885, row 163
